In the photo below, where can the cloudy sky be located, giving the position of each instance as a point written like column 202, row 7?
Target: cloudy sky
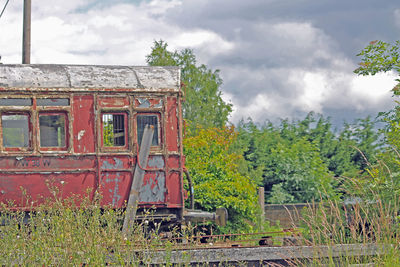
column 278, row 58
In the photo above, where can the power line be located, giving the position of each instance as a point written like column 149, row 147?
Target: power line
column 4, row 8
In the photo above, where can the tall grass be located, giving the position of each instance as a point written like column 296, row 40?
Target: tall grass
column 368, row 217
column 62, row 233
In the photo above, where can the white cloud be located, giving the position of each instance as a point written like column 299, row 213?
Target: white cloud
column 117, row 34
column 202, row 40
column 311, row 90
column 259, row 107
column 314, row 87
column 372, row 90
column 271, row 67
column 301, row 34
column 301, row 69
column 159, row 7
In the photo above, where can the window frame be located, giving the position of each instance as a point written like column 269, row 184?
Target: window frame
column 29, row 106
column 17, row 149
column 66, row 130
column 159, row 132
column 123, row 148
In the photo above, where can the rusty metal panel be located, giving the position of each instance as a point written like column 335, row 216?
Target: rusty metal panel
column 113, row 102
column 114, row 188
column 174, row 190
column 172, row 124
column 115, row 179
column 148, row 102
column 153, row 189
column 83, row 124
column 89, row 76
column 155, row 162
column 173, row 162
column 115, row 162
column 26, row 190
column 46, row 163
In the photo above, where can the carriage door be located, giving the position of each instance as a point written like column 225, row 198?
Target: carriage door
column 114, row 114
column 149, row 110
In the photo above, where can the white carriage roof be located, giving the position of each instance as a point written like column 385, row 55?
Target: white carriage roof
column 89, row 76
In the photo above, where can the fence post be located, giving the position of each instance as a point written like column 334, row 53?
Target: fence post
column 261, row 202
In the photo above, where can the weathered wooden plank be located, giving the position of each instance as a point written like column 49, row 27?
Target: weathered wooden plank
column 138, row 179
column 259, row 254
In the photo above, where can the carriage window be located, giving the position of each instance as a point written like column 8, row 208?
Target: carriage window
column 142, row 121
column 114, row 133
column 52, row 130
column 15, row 130
column 52, row 102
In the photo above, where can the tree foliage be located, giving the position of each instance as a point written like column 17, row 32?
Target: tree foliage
column 203, row 104
column 379, row 56
column 298, row 171
column 384, row 175
column 214, row 167
column 304, row 160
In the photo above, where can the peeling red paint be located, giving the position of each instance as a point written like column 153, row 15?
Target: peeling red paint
column 84, row 122
column 86, row 162
column 21, row 190
column 112, row 102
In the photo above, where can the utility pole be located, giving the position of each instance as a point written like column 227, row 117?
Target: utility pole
column 26, row 36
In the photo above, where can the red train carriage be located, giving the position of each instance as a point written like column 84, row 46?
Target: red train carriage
column 79, row 128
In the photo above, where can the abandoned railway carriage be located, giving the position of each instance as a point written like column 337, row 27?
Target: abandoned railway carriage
column 79, row 127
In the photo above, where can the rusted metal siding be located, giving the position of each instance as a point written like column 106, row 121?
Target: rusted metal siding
column 175, row 192
column 85, row 162
column 83, row 124
column 171, row 117
column 27, row 189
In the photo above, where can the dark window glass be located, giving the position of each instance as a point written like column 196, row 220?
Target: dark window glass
column 15, row 102
column 142, row 121
column 52, row 130
column 113, row 130
column 52, row 102
column 15, row 130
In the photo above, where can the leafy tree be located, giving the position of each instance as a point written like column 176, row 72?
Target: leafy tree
column 366, row 140
column 318, row 130
column 214, row 168
column 256, row 144
column 384, row 176
column 345, row 152
column 379, row 56
column 290, row 165
column 296, row 161
column 298, row 170
column 204, row 105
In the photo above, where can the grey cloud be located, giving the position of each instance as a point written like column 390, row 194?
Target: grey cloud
column 269, row 44
column 351, row 23
column 275, row 38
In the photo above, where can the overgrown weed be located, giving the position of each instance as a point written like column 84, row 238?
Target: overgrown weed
column 364, row 218
column 75, row 231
